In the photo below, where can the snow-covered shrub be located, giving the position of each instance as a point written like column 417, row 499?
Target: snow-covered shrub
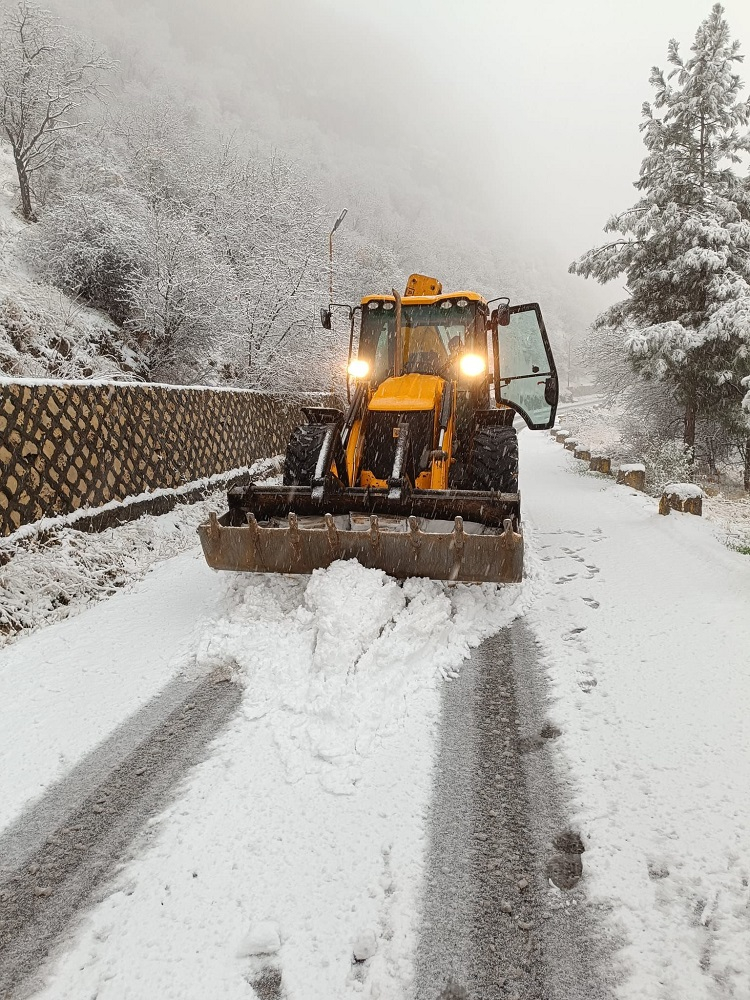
column 93, row 245
column 667, row 461
column 42, row 333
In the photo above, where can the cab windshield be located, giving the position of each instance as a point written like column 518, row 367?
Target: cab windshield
column 433, row 336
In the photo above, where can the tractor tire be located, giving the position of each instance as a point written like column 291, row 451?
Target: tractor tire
column 494, row 460
column 302, row 454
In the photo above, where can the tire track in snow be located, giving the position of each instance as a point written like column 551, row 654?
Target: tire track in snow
column 492, row 925
column 57, row 855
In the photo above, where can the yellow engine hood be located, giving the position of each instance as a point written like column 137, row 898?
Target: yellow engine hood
column 408, row 392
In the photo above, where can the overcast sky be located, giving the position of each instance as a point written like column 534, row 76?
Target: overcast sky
column 555, row 89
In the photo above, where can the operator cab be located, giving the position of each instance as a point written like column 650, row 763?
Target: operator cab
column 440, row 335
column 447, row 335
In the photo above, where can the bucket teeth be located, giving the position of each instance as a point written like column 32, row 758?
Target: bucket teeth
column 213, row 525
column 333, row 535
column 415, row 535
column 457, row 538
column 295, row 539
column 458, row 532
column 374, row 531
column 253, row 530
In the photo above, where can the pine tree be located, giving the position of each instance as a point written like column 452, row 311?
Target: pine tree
column 684, row 247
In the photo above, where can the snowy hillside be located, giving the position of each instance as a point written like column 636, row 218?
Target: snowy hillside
column 42, row 330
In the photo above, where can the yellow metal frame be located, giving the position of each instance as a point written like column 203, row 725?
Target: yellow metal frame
column 420, row 393
column 426, row 300
column 407, row 392
column 412, row 392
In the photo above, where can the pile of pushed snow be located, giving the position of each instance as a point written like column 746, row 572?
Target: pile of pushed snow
column 43, row 332
column 334, row 658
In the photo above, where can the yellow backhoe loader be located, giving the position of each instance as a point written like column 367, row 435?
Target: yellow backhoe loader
column 418, row 476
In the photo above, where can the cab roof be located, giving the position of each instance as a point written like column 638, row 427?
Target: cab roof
column 426, row 300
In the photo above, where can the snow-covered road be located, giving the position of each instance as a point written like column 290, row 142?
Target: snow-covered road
column 645, row 625
column 308, row 821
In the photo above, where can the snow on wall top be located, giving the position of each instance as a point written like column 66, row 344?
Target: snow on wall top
column 6, row 380
column 69, row 445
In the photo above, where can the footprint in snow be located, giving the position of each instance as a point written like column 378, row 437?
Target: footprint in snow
column 590, row 601
column 574, row 633
column 586, row 682
column 565, row 868
column 573, row 554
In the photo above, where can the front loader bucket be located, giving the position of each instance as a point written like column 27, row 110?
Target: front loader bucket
column 495, row 556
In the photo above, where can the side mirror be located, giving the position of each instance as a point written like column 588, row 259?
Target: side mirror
column 503, row 314
column 550, row 391
column 325, row 318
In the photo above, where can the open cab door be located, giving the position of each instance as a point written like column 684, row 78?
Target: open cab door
column 525, row 373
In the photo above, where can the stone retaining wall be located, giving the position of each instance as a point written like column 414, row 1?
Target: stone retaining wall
column 66, row 445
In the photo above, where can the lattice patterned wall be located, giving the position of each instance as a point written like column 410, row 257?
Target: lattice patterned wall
column 70, row 445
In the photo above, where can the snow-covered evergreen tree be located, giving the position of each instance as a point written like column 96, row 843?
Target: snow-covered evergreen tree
column 684, row 247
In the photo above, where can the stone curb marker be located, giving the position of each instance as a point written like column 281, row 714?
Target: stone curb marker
column 685, row 497
column 633, row 475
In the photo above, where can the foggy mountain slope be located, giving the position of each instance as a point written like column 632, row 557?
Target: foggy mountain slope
column 300, row 77
column 376, row 117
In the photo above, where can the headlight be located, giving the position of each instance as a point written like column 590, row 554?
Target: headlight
column 472, row 364
column 358, row 368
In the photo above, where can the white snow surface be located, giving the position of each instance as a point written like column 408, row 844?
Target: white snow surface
column 685, row 491
column 49, row 570
column 65, row 688
column 309, row 812
column 124, row 382
column 645, row 629
column 263, row 939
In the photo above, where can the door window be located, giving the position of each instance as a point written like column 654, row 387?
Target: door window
column 527, row 376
